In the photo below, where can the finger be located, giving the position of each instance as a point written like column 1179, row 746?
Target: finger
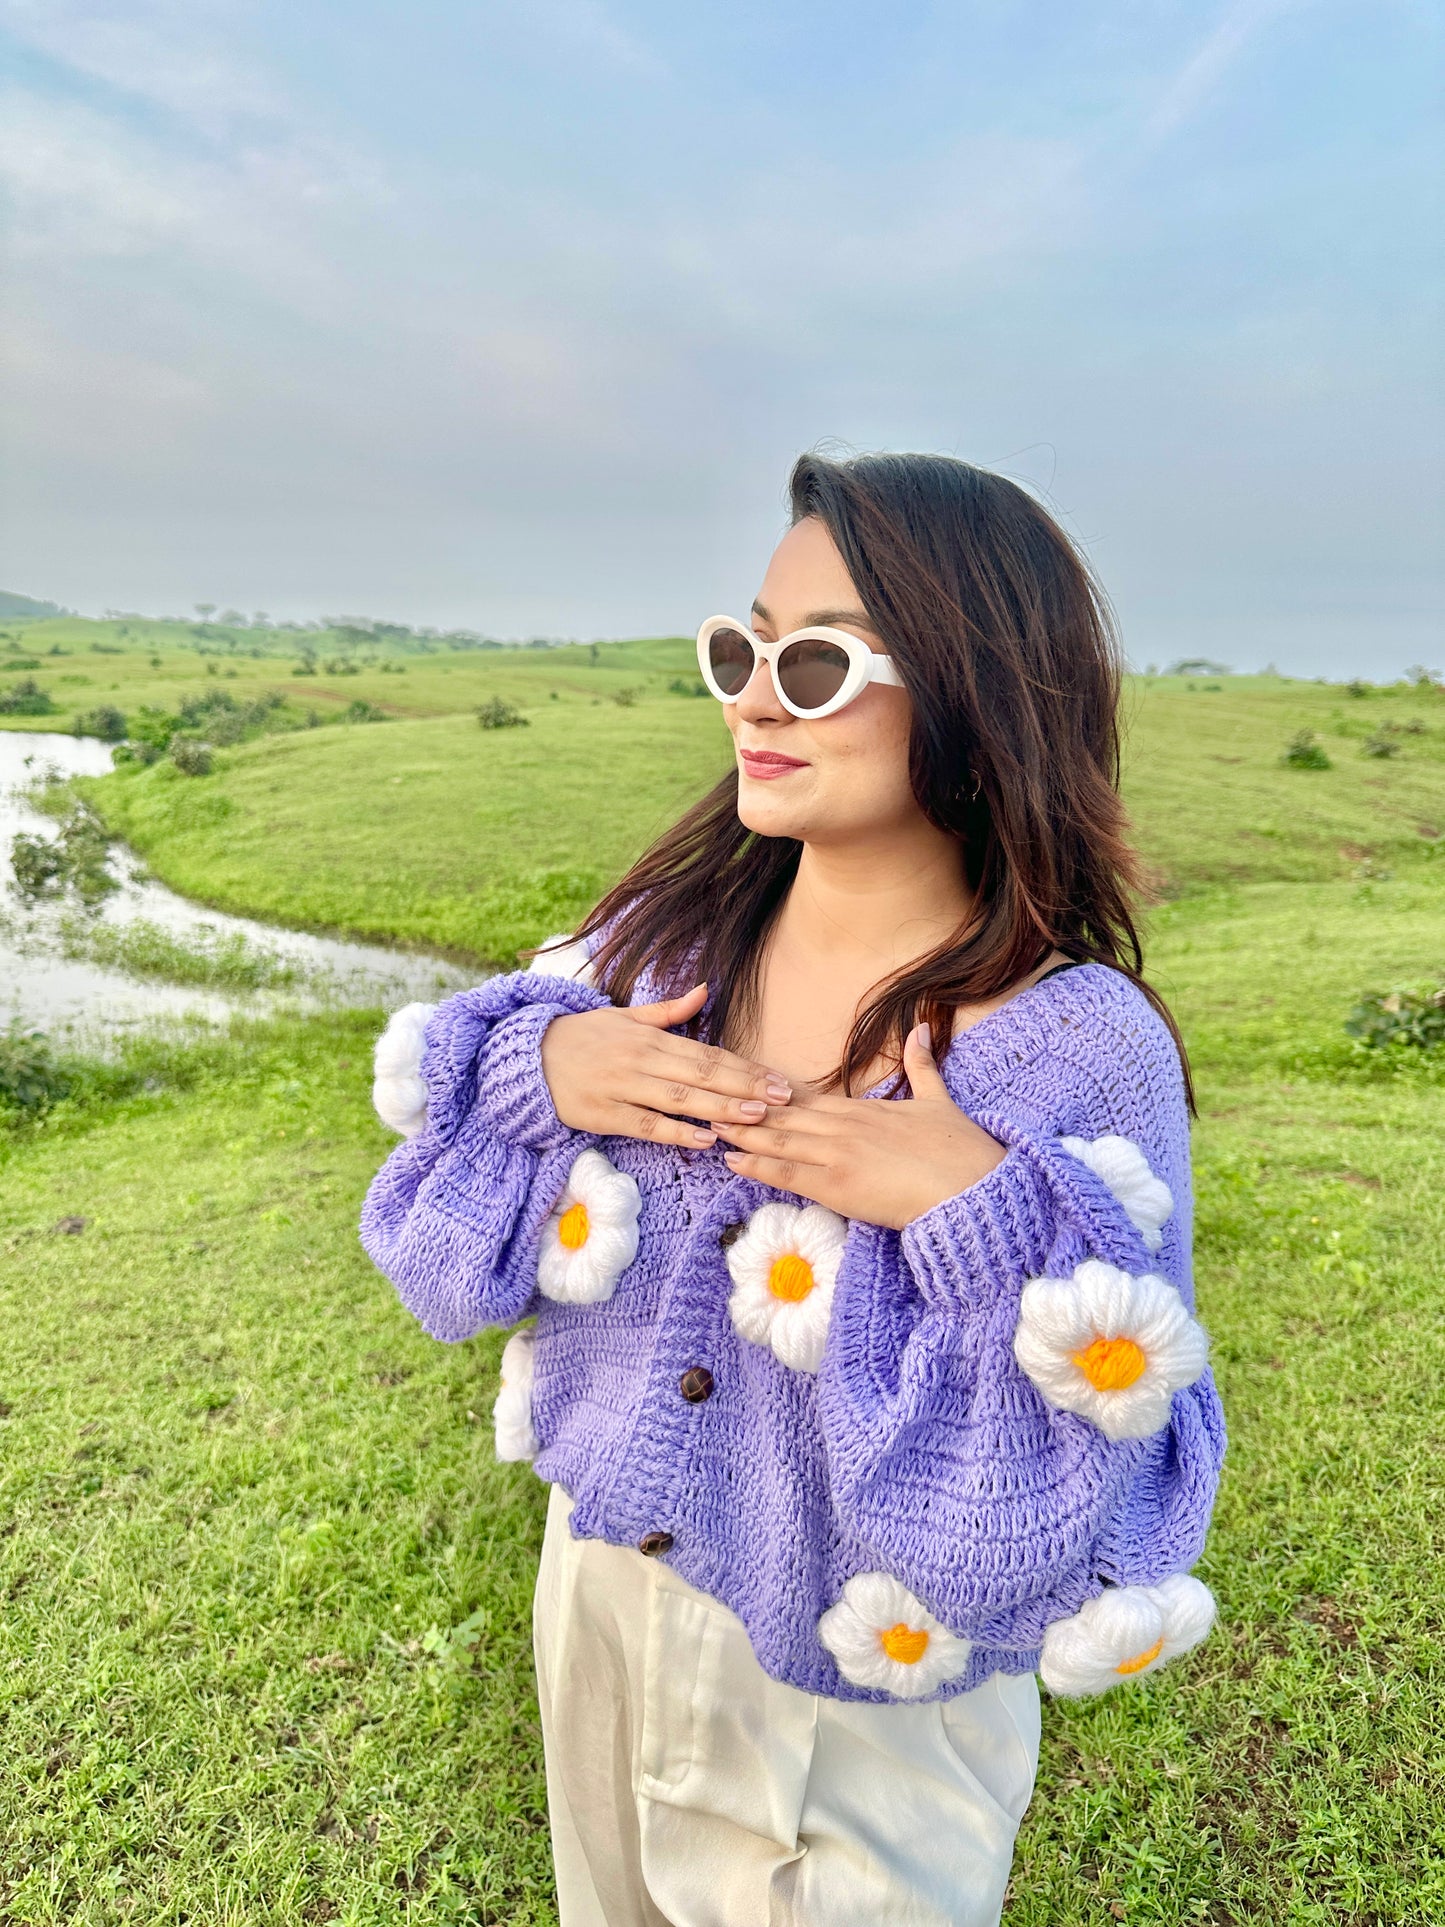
column 635, row 1120
column 773, row 1141
column 783, row 1174
column 672, row 1010
column 708, row 1067
column 692, row 1100
column 924, row 1079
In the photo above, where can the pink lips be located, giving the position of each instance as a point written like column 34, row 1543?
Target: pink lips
column 766, row 764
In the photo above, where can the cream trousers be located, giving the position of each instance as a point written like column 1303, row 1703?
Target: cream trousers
column 688, row 1789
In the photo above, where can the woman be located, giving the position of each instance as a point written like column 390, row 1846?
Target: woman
column 843, row 1161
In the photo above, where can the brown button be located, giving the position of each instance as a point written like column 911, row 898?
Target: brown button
column 655, row 1543
column 730, row 1234
column 696, row 1384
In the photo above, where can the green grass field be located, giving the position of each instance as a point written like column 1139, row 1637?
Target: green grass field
column 265, row 1656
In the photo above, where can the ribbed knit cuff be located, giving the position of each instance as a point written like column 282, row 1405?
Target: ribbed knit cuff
column 512, row 1095
column 986, row 1240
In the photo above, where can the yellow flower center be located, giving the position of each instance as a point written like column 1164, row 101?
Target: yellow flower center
column 572, row 1227
column 1141, row 1660
column 1110, row 1364
column 906, row 1644
column 790, row 1277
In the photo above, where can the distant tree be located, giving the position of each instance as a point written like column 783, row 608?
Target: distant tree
column 205, row 610
column 260, row 620
column 233, row 619
column 1198, row 666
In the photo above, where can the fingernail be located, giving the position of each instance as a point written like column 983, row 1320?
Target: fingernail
column 779, row 1088
column 704, row 1137
column 924, row 1034
column 731, row 1157
column 751, row 1107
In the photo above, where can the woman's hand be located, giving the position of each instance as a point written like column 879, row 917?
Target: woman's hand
column 617, row 1072
column 886, row 1163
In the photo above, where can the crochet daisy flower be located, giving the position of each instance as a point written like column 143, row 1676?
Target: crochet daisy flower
column 1111, row 1347
column 882, row 1637
column 784, row 1267
column 512, row 1412
column 590, row 1238
column 1147, row 1200
column 1124, row 1633
column 398, row 1092
column 564, row 956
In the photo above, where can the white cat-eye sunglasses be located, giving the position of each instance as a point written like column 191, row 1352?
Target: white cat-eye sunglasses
column 815, row 671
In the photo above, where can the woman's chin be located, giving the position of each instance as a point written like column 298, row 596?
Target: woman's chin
column 767, row 815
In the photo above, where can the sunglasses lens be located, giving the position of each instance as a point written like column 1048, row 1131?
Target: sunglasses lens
column 810, row 673
column 730, row 658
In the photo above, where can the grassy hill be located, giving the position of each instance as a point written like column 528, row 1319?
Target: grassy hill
column 511, row 833
column 265, row 1653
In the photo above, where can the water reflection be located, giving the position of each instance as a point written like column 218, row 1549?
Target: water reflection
column 40, row 986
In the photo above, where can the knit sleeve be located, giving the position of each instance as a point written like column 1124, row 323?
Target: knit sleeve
column 453, row 1215
column 1015, row 1397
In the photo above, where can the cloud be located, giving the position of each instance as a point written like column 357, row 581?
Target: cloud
column 1188, row 88
column 587, row 31
column 154, row 52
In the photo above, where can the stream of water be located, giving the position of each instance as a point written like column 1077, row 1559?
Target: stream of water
column 40, row 986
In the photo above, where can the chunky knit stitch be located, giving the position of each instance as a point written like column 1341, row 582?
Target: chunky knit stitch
column 911, row 1443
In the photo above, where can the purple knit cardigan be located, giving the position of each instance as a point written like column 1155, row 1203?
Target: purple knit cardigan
column 920, row 1448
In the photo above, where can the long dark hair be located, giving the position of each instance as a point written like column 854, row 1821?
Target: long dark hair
column 1008, row 651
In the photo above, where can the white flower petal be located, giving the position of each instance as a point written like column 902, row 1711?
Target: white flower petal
column 1061, row 1318
column 796, row 1329
column 398, row 1091
column 800, row 1332
column 1118, row 1161
column 1189, row 1611
column 1123, row 1634
column 587, row 1273
column 512, row 1411
column 564, row 956
column 873, row 1605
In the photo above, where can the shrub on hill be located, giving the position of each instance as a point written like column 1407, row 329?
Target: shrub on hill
column 106, row 721
column 25, row 698
column 497, row 713
column 190, row 756
column 30, row 1078
column 1412, row 1017
column 1305, row 752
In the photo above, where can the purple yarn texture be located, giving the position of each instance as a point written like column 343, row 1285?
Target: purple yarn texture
column 919, row 1448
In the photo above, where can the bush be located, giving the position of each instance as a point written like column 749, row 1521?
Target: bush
column 363, row 712
column 25, row 698
column 1412, row 1017
column 190, row 756
column 1357, row 688
column 75, row 858
column 497, row 713
column 1382, row 743
column 687, row 686
column 30, row 1078
column 625, row 698
column 1305, row 752
column 107, row 722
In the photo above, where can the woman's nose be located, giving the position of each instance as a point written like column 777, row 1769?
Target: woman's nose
column 758, row 702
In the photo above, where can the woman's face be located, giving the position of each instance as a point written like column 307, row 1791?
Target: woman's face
column 845, row 776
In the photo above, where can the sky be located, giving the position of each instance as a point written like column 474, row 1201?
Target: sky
column 514, row 316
